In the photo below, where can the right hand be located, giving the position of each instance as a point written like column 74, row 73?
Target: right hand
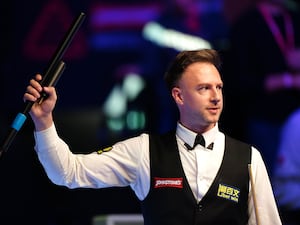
column 41, row 113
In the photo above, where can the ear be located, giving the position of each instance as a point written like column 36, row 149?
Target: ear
column 177, row 96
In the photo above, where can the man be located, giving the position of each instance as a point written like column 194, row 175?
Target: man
column 178, row 181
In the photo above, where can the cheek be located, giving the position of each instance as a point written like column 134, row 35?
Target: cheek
column 194, row 100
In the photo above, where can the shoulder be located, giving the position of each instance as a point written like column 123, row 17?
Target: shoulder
column 241, row 143
column 141, row 138
column 237, row 142
column 163, row 139
column 166, row 134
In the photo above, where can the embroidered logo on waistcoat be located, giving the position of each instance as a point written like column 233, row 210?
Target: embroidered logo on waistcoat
column 168, row 182
column 228, row 192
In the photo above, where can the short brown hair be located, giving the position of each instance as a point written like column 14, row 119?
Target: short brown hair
column 186, row 58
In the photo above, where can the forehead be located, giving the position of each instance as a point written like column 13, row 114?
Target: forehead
column 203, row 71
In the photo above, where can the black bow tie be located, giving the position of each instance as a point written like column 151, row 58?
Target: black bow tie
column 199, row 140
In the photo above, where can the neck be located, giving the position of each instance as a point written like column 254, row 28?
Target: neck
column 199, row 129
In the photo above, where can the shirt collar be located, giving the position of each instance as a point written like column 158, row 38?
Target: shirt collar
column 188, row 136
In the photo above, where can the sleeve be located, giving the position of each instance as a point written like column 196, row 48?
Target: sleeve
column 114, row 166
column 266, row 205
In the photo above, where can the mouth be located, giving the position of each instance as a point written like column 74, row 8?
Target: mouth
column 214, row 110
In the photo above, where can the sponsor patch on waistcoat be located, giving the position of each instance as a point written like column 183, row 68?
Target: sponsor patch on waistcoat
column 168, row 182
column 228, row 192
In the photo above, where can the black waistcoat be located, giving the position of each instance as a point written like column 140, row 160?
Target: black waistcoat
column 170, row 200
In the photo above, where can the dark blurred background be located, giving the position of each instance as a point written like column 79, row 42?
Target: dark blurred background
column 111, row 89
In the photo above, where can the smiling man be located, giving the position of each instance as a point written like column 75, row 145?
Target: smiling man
column 194, row 174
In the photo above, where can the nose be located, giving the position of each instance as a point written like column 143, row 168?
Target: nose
column 216, row 95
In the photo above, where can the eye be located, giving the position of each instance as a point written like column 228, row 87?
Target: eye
column 203, row 87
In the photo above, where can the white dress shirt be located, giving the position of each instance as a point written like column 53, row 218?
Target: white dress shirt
column 127, row 163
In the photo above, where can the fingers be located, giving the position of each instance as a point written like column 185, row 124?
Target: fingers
column 50, row 91
column 34, row 89
column 38, row 77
